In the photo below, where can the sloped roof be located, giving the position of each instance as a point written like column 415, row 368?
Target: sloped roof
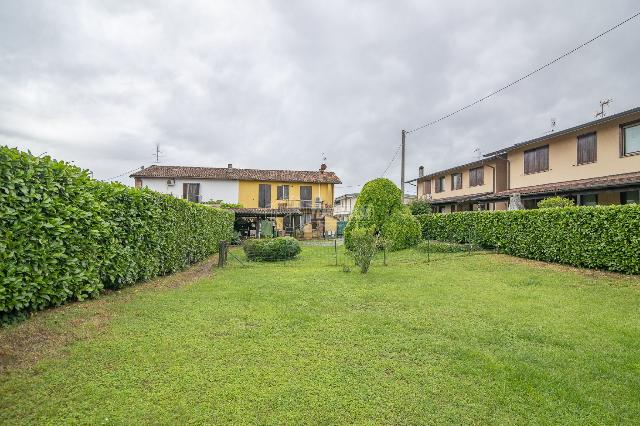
column 564, row 132
column 227, row 173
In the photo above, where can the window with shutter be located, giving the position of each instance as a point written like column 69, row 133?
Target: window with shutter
column 283, row 192
column 264, row 196
column 427, row 187
column 476, row 176
column 440, row 184
column 456, row 181
column 191, row 192
column 536, row 160
column 587, row 149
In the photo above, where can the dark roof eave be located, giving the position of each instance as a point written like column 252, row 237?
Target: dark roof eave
column 451, row 169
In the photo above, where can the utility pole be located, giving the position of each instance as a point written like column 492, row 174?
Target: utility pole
column 404, row 133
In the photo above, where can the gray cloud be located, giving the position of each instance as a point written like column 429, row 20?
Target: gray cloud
column 275, row 84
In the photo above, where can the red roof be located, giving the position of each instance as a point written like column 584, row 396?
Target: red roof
column 228, row 173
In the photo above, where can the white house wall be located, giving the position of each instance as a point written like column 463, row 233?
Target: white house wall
column 210, row 189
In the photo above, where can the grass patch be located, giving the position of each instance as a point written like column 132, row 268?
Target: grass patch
column 479, row 338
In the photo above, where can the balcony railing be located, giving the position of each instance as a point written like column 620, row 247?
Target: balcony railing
column 301, row 204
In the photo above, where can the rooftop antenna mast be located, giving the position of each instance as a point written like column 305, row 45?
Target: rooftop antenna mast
column 601, row 113
column 158, row 153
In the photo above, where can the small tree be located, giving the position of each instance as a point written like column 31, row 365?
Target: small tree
column 555, row 202
column 420, row 207
column 363, row 247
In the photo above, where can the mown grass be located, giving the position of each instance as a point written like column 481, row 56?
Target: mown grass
column 475, row 338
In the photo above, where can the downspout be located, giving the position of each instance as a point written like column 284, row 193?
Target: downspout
column 493, row 191
column 508, row 170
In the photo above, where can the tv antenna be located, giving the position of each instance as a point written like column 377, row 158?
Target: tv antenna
column 601, row 113
column 478, row 152
column 158, row 153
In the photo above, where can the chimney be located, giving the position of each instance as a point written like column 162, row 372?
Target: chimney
column 323, row 167
column 420, row 171
column 229, row 166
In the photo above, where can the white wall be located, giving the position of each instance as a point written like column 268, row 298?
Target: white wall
column 346, row 206
column 210, row 189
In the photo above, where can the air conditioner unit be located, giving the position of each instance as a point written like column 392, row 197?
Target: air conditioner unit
column 171, row 182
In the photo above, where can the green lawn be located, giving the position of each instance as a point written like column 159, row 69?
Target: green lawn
column 462, row 339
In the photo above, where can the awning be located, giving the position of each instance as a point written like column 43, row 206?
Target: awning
column 264, row 212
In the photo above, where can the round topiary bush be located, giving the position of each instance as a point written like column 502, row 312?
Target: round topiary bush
column 379, row 207
column 401, row 230
column 272, row 249
column 377, row 200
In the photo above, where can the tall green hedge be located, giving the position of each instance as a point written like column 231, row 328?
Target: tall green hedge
column 603, row 237
column 65, row 236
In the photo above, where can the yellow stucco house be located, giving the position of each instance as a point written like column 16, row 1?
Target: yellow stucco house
column 288, row 199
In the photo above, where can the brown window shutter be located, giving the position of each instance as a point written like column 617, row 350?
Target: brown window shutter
column 587, row 148
column 184, row 190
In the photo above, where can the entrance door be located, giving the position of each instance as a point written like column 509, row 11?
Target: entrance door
column 264, row 196
column 305, row 197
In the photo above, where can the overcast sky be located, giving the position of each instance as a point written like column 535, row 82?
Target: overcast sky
column 277, row 84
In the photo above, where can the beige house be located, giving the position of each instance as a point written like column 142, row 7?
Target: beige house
column 595, row 163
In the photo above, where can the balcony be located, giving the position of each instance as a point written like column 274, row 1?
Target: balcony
column 304, row 205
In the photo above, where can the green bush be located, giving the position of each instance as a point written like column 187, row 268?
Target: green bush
column 363, row 250
column 64, row 236
column 553, row 202
column 271, row 249
column 400, row 231
column 602, row 237
column 379, row 208
column 420, row 207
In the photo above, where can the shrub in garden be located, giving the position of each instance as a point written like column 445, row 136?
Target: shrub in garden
column 553, row 202
column 379, row 208
column 420, row 207
column 363, row 242
column 401, row 230
column 271, row 249
column 65, row 236
column 602, row 237
column 441, row 247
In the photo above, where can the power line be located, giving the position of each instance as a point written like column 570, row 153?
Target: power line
column 125, row 173
column 392, row 160
column 564, row 55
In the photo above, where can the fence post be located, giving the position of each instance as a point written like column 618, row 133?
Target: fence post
column 335, row 249
column 384, row 251
column 222, row 254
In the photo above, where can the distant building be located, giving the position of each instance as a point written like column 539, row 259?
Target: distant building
column 408, row 198
column 343, row 206
column 288, row 198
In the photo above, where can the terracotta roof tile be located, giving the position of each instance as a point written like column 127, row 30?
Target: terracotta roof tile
column 225, row 173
